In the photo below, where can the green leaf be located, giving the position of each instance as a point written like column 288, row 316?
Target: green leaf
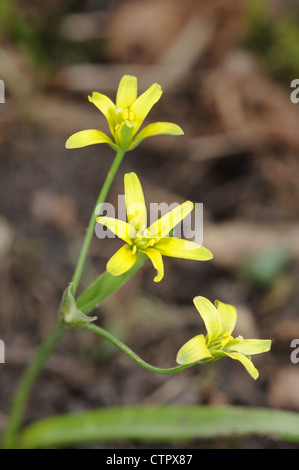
column 159, row 424
column 104, row 286
column 266, row 266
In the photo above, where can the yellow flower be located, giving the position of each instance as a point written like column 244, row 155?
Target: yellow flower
column 220, row 321
column 124, row 118
column 154, row 240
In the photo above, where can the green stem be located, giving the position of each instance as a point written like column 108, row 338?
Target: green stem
column 26, row 384
column 92, row 223
column 100, row 331
column 31, row 373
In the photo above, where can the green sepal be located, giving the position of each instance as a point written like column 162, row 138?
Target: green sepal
column 124, row 135
column 69, row 315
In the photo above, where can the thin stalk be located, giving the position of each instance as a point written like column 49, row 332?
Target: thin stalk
column 100, row 331
column 27, row 381
column 31, row 373
column 92, row 223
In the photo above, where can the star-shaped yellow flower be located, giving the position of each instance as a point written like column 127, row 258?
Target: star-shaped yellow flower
column 124, row 118
column 154, row 241
column 220, row 321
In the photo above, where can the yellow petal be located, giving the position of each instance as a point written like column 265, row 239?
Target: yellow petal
column 228, row 316
column 163, row 226
column 135, row 204
column 87, row 137
column 247, row 363
column 106, row 106
column 194, row 350
column 144, row 104
column 156, row 128
column 251, row 346
column 121, row 261
column 157, row 261
column 127, row 92
column 210, row 317
column 119, row 227
column 179, row 248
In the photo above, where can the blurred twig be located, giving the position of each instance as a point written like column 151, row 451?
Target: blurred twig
column 170, row 69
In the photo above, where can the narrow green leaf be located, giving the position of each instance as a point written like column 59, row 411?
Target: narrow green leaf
column 159, row 424
column 104, row 286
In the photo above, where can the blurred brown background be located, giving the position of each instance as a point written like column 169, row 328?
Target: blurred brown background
column 225, row 68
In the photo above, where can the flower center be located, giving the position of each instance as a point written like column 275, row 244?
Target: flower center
column 225, row 340
column 229, row 339
column 142, row 241
column 124, row 117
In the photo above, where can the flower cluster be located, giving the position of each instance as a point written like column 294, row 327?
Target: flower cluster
column 125, row 118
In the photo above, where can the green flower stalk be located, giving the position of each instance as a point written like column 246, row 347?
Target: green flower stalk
column 220, row 321
column 153, row 241
column 125, row 118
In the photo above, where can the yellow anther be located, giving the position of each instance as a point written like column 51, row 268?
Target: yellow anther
column 134, row 249
column 227, row 339
column 125, row 114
